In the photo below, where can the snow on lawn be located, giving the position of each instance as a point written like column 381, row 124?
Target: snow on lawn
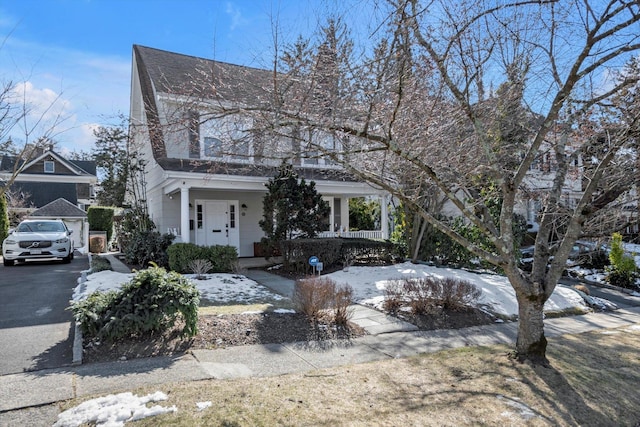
column 368, row 284
column 114, row 410
column 217, row 287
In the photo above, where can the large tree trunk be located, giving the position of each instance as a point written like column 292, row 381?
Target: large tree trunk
column 531, row 344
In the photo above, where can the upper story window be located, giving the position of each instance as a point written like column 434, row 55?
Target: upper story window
column 213, row 147
column 237, row 150
column 49, row 166
column 193, row 124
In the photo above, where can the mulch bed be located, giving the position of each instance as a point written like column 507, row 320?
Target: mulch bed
column 262, row 328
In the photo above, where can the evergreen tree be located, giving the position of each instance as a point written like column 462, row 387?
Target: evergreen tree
column 292, row 208
column 112, row 162
column 4, row 217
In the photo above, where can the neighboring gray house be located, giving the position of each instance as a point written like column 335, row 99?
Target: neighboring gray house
column 50, row 176
column 74, row 217
column 196, row 189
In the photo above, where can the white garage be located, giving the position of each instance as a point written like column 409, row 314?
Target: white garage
column 73, row 216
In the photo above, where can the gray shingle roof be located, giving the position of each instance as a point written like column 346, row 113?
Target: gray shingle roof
column 177, row 74
column 60, row 208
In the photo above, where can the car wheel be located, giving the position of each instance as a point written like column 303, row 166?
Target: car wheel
column 8, row 262
column 67, row 259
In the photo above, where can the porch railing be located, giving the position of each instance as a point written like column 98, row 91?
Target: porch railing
column 362, row 234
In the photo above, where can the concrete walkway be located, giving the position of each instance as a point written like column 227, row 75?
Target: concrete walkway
column 24, row 397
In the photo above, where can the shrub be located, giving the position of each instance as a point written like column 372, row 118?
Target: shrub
column 342, row 301
column 393, row 296
column 90, row 312
column 99, row 264
column 200, row 267
column 297, row 252
column 152, row 302
column 148, row 246
column 313, row 295
column 597, row 260
column 456, row 294
column 423, row 294
column 623, row 268
column 419, row 293
column 4, row 216
column 333, row 252
column 368, row 251
column 222, row 258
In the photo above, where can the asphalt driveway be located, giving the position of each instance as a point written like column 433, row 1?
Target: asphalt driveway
column 36, row 329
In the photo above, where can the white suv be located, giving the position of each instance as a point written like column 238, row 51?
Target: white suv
column 37, row 239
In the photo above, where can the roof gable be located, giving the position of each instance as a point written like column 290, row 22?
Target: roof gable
column 62, row 166
column 60, row 208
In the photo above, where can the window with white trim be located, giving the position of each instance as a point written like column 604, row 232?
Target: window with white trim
column 49, row 166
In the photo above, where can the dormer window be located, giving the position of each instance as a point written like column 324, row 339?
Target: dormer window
column 49, row 166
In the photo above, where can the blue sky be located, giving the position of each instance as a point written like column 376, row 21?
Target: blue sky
column 78, row 52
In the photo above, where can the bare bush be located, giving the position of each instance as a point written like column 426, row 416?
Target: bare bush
column 343, row 299
column 420, row 291
column 456, row 294
column 423, row 294
column 393, row 296
column 200, row 267
column 313, row 295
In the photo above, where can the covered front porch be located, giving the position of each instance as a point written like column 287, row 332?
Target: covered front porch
column 228, row 213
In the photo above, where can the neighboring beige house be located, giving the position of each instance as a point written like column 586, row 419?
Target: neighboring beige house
column 196, row 189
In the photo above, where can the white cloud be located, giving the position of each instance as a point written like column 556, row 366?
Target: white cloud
column 237, row 19
column 87, row 89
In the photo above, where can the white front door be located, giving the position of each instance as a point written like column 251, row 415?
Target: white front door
column 216, row 223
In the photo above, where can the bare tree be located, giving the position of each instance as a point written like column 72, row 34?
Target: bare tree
column 36, row 127
column 470, row 97
column 491, row 103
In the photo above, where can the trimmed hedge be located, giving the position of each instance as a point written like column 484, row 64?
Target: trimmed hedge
column 222, row 258
column 334, row 252
column 101, row 219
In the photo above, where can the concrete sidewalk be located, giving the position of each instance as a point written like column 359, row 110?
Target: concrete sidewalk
column 25, row 397
column 35, row 389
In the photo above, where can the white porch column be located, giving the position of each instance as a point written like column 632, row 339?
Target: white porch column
column 384, row 217
column 184, row 214
column 344, row 213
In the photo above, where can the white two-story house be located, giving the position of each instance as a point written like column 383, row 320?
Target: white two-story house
column 184, row 113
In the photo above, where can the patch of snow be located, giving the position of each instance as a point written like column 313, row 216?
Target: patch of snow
column 369, row 283
column 203, row 405
column 523, row 410
column 113, row 410
column 284, row 311
column 219, row 287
